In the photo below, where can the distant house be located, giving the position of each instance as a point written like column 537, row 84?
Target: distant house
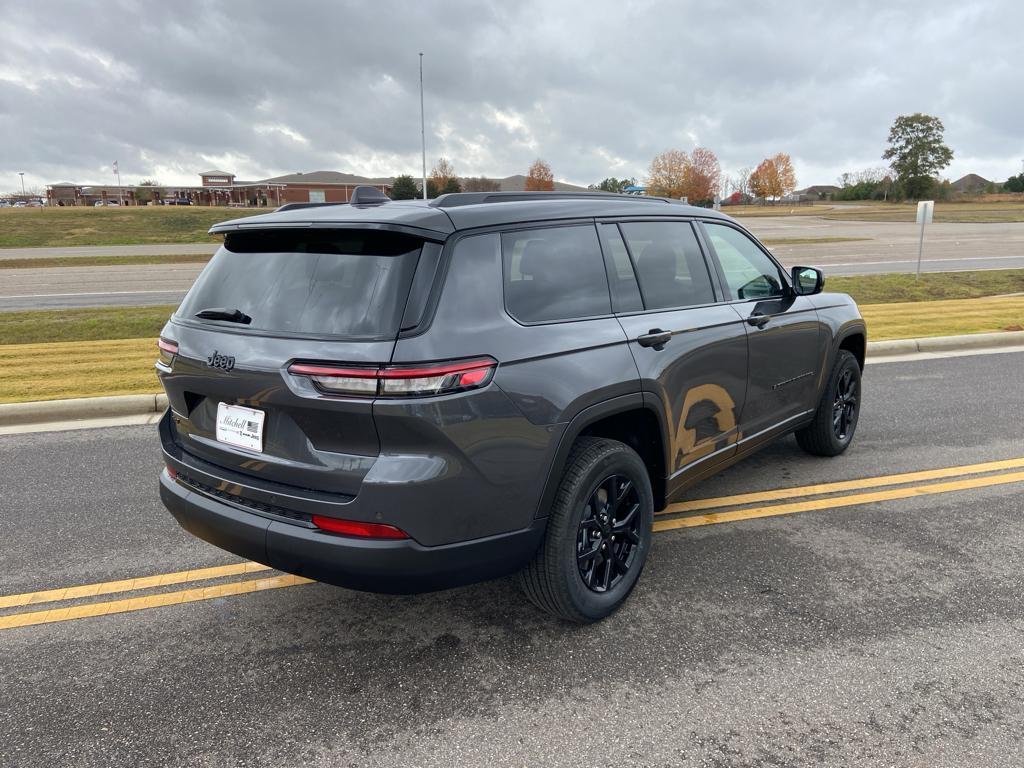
column 971, row 184
column 816, row 192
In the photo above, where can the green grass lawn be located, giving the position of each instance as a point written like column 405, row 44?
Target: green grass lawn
column 885, row 289
column 102, row 261
column 55, row 227
column 87, row 324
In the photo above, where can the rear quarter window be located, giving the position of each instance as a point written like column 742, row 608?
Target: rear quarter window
column 340, row 283
column 555, row 273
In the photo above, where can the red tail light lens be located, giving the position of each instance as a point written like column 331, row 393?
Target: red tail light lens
column 356, row 528
column 168, row 349
column 397, row 380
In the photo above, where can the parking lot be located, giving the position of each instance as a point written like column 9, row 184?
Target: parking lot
column 862, row 610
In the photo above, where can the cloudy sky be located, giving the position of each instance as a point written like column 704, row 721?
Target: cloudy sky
column 596, row 88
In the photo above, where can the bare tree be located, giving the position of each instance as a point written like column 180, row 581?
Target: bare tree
column 481, row 184
column 741, row 182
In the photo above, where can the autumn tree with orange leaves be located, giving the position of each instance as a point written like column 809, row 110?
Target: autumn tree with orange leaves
column 774, row 178
column 676, row 174
column 540, row 178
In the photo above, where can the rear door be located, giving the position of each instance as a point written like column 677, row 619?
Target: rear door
column 269, row 299
column 690, row 348
column 783, row 332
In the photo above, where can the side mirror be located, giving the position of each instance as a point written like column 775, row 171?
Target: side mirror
column 807, row 281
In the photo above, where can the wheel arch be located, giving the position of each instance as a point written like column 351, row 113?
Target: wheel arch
column 855, row 342
column 632, row 419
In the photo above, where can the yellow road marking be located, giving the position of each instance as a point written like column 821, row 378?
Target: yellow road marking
column 843, row 485
column 195, row 594
column 836, row 501
column 129, row 585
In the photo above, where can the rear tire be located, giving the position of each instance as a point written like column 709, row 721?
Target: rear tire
column 835, row 421
column 598, row 534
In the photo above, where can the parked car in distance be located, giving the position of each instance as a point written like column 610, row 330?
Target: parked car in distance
column 407, row 396
column 176, row 201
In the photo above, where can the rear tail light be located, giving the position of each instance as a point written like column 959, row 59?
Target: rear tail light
column 168, row 349
column 397, row 380
column 356, row 528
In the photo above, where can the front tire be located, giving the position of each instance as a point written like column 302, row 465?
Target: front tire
column 835, row 421
column 598, row 534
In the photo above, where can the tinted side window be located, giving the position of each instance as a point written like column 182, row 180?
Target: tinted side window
column 554, row 274
column 749, row 273
column 621, row 277
column 669, row 264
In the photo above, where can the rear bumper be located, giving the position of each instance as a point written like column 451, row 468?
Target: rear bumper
column 373, row 565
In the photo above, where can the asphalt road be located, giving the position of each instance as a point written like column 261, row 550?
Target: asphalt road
column 884, row 247
column 884, row 632
column 892, row 247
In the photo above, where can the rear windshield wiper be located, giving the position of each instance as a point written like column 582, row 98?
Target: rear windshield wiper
column 220, row 313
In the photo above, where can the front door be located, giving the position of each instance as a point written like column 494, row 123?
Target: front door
column 690, row 348
column 782, row 331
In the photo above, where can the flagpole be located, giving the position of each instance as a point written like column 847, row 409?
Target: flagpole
column 423, row 131
column 120, row 192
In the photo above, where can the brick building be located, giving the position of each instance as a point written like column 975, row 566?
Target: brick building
column 221, row 188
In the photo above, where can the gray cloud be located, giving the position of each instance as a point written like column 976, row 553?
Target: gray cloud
column 596, row 88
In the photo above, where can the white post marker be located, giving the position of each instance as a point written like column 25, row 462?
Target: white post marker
column 925, row 209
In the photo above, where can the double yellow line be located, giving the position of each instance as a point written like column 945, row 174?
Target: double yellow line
column 833, row 501
column 683, row 515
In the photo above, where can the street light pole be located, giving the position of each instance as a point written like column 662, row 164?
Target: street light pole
column 22, row 174
column 423, row 131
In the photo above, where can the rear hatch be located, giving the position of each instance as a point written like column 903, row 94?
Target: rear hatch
column 270, row 299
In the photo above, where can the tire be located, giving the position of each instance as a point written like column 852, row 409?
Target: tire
column 831, row 432
column 556, row 581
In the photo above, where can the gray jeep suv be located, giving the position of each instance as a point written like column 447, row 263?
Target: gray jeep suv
column 407, row 396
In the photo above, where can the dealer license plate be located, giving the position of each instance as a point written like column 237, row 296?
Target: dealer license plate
column 241, row 427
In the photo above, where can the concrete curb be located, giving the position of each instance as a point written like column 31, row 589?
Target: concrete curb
column 83, row 408
column 41, row 411
column 945, row 343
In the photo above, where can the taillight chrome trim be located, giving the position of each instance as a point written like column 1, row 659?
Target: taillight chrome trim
column 167, row 350
column 393, row 381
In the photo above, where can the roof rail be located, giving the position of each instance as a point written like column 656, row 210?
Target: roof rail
column 457, row 199
column 297, row 206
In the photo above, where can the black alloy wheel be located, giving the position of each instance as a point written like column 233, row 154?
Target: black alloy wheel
column 598, row 533
column 831, row 430
column 844, row 409
column 609, row 532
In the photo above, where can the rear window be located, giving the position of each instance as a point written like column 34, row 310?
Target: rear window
column 555, row 273
column 349, row 283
